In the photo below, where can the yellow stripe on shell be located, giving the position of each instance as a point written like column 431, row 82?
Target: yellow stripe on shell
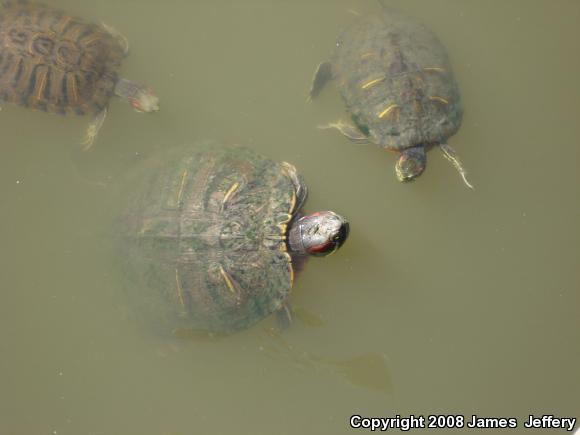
column 290, row 268
column 29, row 48
column 228, row 280
column 288, row 170
column 372, row 82
column 434, row 68
column 439, row 99
column 287, row 218
column 388, row 110
column 41, row 85
column 181, row 186
column 273, row 237
column 292, row 204
column 179, row 290
column 73, row 93
column 230, row 192
column 95, row 36
column 62, row 23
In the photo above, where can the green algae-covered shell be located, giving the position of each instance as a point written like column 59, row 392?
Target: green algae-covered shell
column 52, row 61
column 204, row 236
column 396, row 80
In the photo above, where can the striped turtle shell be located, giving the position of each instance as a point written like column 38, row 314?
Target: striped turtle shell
column 204, row 239
column 396, row 80
column 54, row 62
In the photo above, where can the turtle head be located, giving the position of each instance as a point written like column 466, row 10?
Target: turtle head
column 411, row 164
column 318, row 234
column 139, row 96
column 144, row 100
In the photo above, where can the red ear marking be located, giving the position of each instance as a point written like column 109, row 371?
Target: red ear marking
column 319, row 248
column 135, row 104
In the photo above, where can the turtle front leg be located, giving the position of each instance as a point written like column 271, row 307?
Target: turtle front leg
column 300, row 189
column 122, row 39
column 93, row 129
column 284, row 316
column 321, row 76
column 450, row 154
column 351, row 131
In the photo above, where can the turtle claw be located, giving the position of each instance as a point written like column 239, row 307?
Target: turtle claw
column 450, row 154
column 348, row 130
column 467, row 182
column 87, row 142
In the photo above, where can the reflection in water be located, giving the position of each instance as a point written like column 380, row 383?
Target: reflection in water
column 369, row 370
column 306, row 317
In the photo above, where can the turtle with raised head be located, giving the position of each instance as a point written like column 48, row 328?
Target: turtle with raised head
column 212, row 239
column 55, row 62
column 396, row 80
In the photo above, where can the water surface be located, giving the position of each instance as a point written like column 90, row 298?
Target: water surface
column 443, row 300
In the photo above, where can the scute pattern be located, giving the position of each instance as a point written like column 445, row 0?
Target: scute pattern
column 396, row 80
column 205, row 240
column 54, row 62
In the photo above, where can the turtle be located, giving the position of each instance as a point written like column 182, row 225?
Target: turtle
column 396, row 81
column 55, row 62
column 212, row 237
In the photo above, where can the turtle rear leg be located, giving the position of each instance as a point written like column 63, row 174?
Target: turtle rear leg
column 93, row 129
column 351, row 131
column 322, row 75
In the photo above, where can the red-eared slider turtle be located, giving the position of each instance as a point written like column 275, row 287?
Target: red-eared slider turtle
column 396, row 81
column 58, row 63
column 212, row 239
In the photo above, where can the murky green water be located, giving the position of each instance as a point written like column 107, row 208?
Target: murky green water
column 444, row 300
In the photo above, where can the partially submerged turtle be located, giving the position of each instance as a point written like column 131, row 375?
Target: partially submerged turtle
column 54, row 62
column 396, row 81
column 212, row 239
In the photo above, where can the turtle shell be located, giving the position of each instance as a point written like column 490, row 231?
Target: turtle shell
column 54, row 62
column 396, row 80
column 204, row 238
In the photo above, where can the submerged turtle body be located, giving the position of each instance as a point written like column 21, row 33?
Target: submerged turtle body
column 54, row 62
column 396, row 80
column 209, row 241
